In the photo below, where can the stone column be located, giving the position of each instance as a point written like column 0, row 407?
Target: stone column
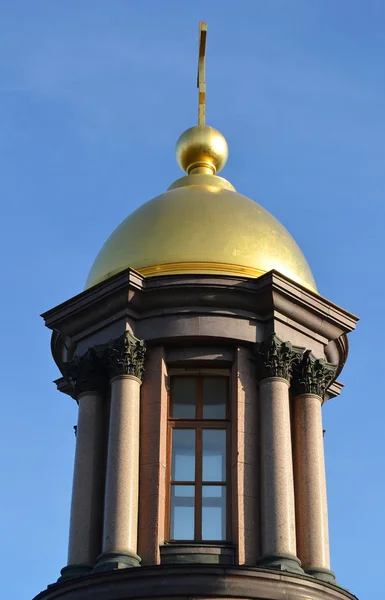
column 87, row 375
column 310, row 382
column 275, row 362
column 126, row 360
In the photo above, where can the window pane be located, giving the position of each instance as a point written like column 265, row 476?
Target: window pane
column 183, row 455
column 182, row 512
column 184, row 393
column 213, row 512
column 214, row 455
column 214, row 397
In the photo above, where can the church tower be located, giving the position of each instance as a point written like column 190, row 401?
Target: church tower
column 200, row 354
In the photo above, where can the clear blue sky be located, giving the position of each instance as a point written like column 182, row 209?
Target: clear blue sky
column 93, row 96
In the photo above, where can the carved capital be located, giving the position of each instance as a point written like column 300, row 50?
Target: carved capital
column 87, row 373
column 126, row 356
column 313, row 375
column 276, row 358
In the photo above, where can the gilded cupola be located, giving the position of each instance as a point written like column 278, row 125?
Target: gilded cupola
column 201, row 224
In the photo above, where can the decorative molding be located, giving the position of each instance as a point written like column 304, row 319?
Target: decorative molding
column 126, row 356
column 86, row 373
column 93, row 370
column 276, row 358
column 313, row 375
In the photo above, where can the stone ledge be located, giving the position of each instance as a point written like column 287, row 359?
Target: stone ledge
column 194, row 581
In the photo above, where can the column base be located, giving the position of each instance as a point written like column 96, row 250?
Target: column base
column 74, row 571
column 112, row 561
column 322, row 574
column 281, row 562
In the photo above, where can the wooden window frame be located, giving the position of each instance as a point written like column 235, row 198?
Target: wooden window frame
column 198, row 424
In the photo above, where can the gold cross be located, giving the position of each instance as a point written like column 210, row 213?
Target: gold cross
column 201, row 83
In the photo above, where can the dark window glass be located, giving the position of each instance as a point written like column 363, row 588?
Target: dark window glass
column 184, row 393
column 214, row 397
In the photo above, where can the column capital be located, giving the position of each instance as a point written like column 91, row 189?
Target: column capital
column 276, row 358
column 312, row 375
column 87, row 372
column 126, row 356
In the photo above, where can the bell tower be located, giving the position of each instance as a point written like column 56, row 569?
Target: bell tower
column 199, row 354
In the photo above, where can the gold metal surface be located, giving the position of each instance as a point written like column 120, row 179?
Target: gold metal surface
column 201, row 78
column 180, row 268
column 201, row 224
column 202, row 179
column 201, row 228
column 202, row 149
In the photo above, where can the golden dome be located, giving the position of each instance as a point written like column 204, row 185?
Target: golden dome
column 201, row 225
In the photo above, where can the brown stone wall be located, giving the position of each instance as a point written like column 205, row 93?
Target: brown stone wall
column 244, row 460
column 153, row 443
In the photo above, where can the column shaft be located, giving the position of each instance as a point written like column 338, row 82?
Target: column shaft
column 87, row 491
column 122, row 483
column 277, row 483
column 310, row 483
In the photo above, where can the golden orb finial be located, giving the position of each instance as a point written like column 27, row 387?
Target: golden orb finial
column 202, row 149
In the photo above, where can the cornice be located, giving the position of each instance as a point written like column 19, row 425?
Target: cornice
column 270, row 292
column 269, row 299
column 123, row 285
